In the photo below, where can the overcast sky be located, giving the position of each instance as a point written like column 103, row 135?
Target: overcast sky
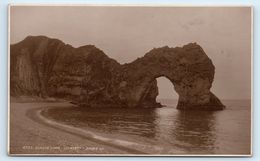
column 125, row 33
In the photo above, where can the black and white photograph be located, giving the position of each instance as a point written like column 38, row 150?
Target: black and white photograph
column 122, row 80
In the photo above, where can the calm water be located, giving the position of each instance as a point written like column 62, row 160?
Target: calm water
column 189, row 132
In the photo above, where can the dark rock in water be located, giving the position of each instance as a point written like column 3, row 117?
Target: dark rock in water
column 47, row 67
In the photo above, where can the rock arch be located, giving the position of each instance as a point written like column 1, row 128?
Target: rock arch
column 188, row 68
column 86, row 75
column 167, row 95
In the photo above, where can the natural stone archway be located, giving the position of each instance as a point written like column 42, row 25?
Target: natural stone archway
column 166, row 90
column 49, row 68
column 167, row 95
column 188, row 68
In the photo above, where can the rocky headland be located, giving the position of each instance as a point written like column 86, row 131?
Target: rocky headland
column 46, row 67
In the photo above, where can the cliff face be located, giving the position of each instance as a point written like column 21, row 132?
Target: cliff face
column 31, row 63
column 47, row 67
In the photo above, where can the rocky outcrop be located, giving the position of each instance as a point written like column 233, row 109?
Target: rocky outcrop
column 49, row 68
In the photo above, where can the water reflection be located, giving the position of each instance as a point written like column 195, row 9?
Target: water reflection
column 112, row 120
column 195, row 131
column 189, row 130
column 200, row 132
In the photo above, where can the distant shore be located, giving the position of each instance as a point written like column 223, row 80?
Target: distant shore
column 31, row 133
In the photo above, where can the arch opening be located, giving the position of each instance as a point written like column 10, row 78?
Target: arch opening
column 167, row 95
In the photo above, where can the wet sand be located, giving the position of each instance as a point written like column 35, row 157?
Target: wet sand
column 30, row 133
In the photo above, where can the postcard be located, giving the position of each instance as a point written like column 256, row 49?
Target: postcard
column 122, row 80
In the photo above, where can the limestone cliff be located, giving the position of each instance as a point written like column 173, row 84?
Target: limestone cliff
column 47, row 67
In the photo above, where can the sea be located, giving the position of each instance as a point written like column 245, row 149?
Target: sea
column 168, row 130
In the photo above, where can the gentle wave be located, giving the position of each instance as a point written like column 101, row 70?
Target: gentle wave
column 129, row 144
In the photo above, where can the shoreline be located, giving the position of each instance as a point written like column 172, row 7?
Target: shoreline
column 36, row 115
column 33, row 134
column 132, row 145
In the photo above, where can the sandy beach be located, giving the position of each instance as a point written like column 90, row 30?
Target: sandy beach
column 32, row 134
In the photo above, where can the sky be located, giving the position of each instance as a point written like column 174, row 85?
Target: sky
column 126, row 33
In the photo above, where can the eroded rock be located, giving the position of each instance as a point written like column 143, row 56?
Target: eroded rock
column 48, row 67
